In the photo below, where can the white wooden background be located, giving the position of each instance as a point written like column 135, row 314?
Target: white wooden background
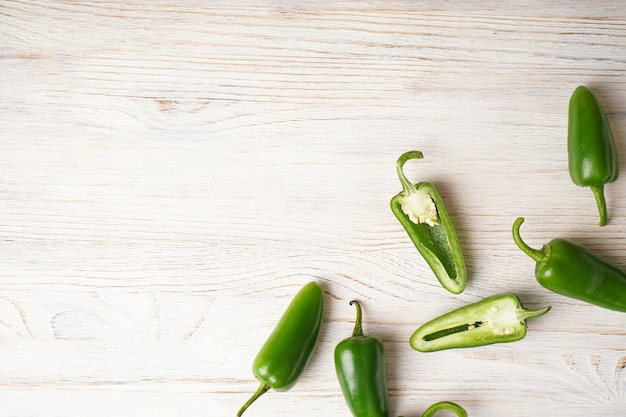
column 171, row 173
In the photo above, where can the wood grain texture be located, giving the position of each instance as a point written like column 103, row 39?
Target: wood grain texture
column 172, row 172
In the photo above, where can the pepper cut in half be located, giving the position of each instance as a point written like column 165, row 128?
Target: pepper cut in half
column 362, row 373
column 573, row 271
column 421, row 212
column 287, row 351
column 592, row 154
column 496, row 319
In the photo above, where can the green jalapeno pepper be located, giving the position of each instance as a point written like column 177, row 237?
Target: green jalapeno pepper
column 362, row 373
column 592, row 154
column 573, row 271
column 287, row 351
column 496, row 319
column 421, row 212
column 445, row 405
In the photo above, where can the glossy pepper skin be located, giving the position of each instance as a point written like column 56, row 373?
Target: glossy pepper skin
column 573, row 271
column 287, row 351
column 421, row 212
column 496, row 319
column 362, row 373
column 445, row 405
column 592, row 154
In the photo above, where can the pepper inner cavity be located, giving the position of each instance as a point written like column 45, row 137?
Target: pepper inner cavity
column 420, row 207
column 452, row 330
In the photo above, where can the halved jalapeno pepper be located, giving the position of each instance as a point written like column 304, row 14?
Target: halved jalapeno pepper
column 496, row 319
column 420, row 210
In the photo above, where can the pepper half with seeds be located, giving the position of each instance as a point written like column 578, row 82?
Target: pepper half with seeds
column 496, row 319
column 421, row 212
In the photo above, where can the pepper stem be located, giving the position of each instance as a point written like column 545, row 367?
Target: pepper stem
column 445, row 405
column 358, row 326
column 407, row 186
column 598, row 193
column 260, row 391
column 525, row 314
column 537, row 255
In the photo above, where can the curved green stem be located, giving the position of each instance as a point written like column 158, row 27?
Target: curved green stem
column 598, row 193
column 407, row 186
column 358, row 324
column 537, row 255
column 445, row 405
column 531, row 314
column 260, row 391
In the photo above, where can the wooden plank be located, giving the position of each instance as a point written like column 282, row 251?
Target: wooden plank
column 171, row 174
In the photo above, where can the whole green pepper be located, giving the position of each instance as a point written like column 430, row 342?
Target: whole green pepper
column 591, row 148
column 287, row 351
column 362, row 373
column 496, row 319
column 421, row 212
column 573, row 271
